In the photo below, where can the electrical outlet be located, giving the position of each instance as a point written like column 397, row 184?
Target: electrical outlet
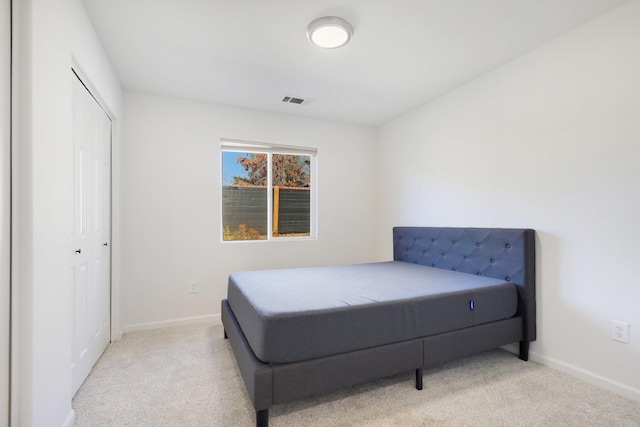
column 194, row 287
column 620, row 331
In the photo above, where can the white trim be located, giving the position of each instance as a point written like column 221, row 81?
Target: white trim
column 91, row 87
column 71, row 419
column 227, row 144
column 5, row 213
column 590, row 377
column 269, row 192
column 116, row 302
column 17, row 105
column 582, row 374
column 216, row 319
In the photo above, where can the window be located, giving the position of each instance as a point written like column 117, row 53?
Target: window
column 268, row 191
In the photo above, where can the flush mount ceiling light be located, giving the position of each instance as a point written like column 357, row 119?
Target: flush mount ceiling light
column 329, row 32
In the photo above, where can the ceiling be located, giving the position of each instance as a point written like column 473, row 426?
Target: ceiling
column 251, row 53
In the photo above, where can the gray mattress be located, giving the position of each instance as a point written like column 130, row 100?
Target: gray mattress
column 298, row 314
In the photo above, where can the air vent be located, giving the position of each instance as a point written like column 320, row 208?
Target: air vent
column 296, row 100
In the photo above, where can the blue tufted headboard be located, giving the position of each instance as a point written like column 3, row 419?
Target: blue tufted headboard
column 501, row 253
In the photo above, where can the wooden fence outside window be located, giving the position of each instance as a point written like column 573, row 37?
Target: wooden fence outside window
column 248, row 205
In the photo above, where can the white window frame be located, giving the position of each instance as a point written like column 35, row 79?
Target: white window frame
column 235, row 145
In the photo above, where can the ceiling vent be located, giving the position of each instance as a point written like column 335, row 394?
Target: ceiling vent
column 296, row 100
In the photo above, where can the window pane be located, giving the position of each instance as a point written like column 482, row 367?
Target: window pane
column 291, row 178
column 244, row 196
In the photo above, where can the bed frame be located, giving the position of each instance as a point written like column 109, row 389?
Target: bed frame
column 507, row 254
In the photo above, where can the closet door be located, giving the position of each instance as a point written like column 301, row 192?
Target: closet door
column 90, row 272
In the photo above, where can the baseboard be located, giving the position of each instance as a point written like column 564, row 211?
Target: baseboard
column 117, row 336
column 590, row 377
column 71, row 419
column 212, row 318
column 513, row 348
column 584, row 375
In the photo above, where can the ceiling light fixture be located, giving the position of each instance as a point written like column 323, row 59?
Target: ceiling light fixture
column 329, row 32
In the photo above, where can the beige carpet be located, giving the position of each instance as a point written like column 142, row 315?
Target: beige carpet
column 187, row 376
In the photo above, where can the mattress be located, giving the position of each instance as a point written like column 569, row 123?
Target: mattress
column 299, row 314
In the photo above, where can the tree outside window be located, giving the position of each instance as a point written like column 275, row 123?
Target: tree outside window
column 266, row 195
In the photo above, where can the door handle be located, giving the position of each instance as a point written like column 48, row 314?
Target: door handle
column 78, row 251
column 105, row 244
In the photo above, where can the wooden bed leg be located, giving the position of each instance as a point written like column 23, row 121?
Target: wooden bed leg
column 524, row 350
column 262, row 418
column 419, row 379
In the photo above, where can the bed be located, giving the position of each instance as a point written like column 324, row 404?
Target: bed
column 448, row 293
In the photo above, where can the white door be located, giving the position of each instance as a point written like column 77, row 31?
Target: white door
column 90, row 272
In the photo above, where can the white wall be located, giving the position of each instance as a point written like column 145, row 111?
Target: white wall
column 171, row 203
column 50, row 38
column 549, row 141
